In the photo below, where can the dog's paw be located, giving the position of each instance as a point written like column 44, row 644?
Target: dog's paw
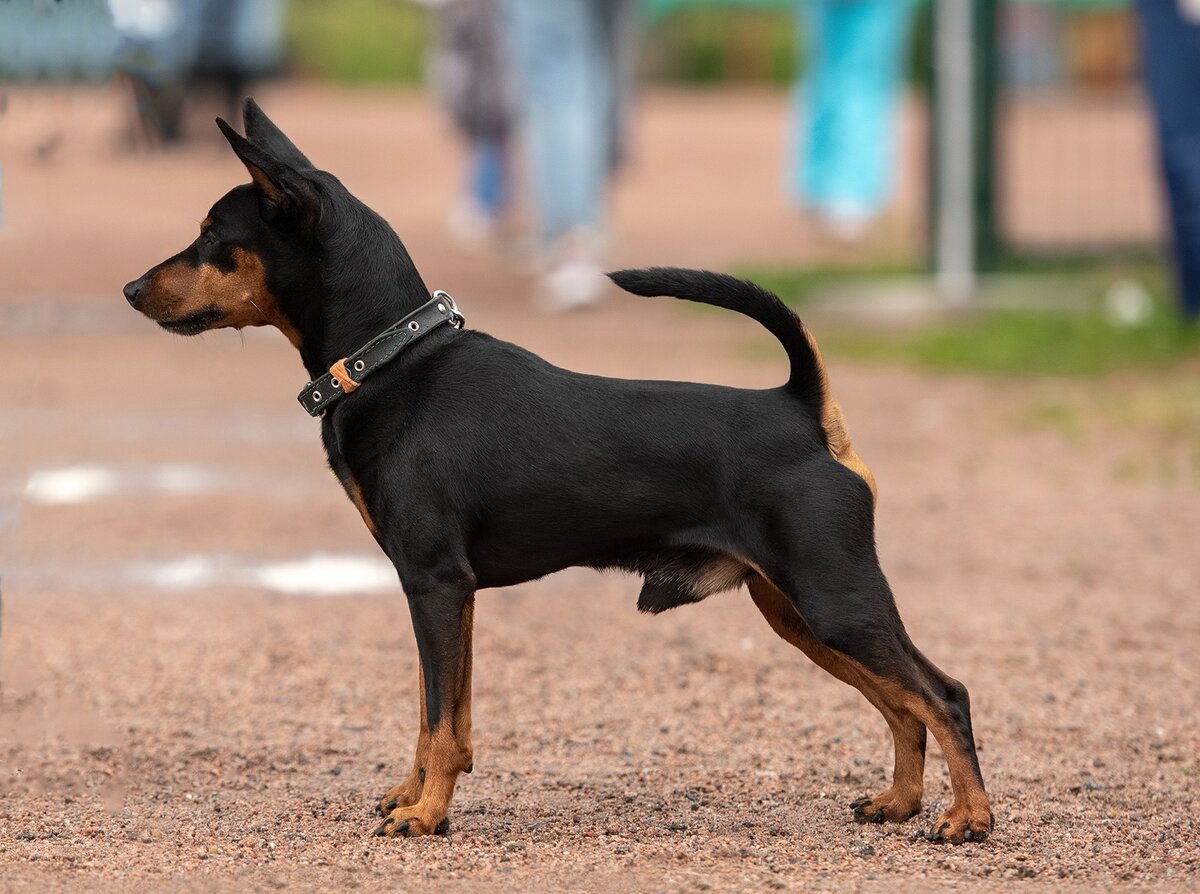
column 407, row 792
column 412, row 822
column 962, row 823
column 890, row 807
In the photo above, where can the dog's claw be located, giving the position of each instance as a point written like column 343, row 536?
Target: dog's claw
column 442, row 828
column 877, row 817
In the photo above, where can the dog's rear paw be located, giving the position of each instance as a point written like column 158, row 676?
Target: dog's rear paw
column 412, row 822
column 890, row 807
column 961, row 823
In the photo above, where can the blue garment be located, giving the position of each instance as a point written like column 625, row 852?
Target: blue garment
column 563, row 56
column 844, row 102
column 489, row 187
column 1171, row 64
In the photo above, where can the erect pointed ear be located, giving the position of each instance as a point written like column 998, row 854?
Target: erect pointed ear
column 262, row 131
column 286, row 194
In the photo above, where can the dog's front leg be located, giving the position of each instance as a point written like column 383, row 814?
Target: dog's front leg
column 442, row 616
column 409, row 791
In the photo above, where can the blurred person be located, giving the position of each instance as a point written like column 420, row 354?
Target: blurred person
column 569, row 60
column 471, row 76
column 844, row 106
column 169, row 47
column 1171, row 63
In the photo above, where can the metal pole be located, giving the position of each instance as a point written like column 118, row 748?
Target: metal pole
column 954, row 210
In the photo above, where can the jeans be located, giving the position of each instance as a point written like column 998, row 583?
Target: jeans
column 489, row 187
column 1171, row 65
column 844, row 103
column 564, row 59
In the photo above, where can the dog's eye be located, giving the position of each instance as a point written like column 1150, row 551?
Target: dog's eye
column 210, row 240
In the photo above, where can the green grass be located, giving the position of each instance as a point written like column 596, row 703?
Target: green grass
column 358, row 41
column 1031, row 343
column 1049, row 341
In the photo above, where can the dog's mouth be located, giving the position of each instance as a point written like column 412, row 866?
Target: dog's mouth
column 193, row 324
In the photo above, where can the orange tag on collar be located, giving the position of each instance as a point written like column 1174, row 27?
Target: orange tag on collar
column 342, row 378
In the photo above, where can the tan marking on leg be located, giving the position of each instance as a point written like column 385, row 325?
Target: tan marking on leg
column 837, row 436
column 969, row 817
column 450, row 751
column 903, row 799
column 409, row 791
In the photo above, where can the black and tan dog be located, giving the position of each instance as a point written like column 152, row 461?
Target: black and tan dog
column 477, row 464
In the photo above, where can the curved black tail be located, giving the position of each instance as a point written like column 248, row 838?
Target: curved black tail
column 807, row 379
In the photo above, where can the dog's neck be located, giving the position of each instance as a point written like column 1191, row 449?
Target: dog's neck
column 353, row 309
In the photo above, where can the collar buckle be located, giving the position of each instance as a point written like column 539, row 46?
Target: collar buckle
column 457, row 320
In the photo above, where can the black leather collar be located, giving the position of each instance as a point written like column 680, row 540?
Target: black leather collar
column 348, row 373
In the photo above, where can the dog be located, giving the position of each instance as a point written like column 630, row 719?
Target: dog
column 477, row 464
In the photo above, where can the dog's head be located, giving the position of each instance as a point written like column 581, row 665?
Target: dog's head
column 250, row 244
column 276, row 251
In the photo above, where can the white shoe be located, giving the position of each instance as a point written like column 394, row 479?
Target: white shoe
column 571, row 285
column 574, row 277
column 471, row 225
column 846, row 221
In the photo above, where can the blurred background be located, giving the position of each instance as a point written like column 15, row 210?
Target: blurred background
column 985, row 210
column 902, row 157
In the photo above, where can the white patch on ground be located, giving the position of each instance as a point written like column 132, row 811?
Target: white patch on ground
column 190, row 573
column 320, row 574
column 71, row 485
column 176, row 479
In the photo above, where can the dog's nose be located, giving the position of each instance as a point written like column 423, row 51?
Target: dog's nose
column 131, row 292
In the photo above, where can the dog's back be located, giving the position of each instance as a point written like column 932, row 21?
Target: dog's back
column 808, row 381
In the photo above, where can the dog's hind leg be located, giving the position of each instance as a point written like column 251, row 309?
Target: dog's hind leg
column 409, row 791
column 857, row 636
column 443, row 616
column 903, row 800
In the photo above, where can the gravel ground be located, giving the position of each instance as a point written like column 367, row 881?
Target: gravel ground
column 174, row 731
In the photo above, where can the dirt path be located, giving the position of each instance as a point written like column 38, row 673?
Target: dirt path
column 173, row 716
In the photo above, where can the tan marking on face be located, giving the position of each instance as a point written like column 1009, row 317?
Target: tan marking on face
column 241, row 295
column 205, row 224
column 834, row 423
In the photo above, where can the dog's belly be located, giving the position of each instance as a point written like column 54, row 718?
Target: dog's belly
column 679, row 561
